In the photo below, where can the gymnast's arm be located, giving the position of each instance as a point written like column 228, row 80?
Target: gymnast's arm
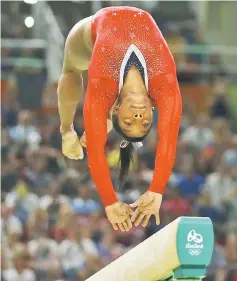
column 100, row 98
column 166, row 94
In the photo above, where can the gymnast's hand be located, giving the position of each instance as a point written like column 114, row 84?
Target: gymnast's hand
column 71, row 146
column 119, row 216
column 147, row 205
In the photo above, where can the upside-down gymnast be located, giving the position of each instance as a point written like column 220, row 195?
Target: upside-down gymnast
column 130, row 70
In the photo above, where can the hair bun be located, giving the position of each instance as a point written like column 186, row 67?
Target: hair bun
column 124, row 144
column 137, row 144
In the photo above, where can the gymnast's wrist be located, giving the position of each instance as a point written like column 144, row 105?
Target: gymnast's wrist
column 156, row 189
column 109, row 200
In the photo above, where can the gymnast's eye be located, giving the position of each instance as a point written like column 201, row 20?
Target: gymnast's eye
column 146, row 124
column 127, row 123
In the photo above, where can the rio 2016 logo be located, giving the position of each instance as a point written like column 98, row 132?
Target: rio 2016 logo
column 194, row 243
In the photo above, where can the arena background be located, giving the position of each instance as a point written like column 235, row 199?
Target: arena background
column 52, row 224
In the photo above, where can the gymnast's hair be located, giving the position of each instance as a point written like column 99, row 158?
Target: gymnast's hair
column 126, row 153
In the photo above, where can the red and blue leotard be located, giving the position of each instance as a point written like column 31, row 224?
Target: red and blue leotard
column 119, row 33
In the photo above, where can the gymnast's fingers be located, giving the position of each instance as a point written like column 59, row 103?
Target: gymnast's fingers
column 121, row 227
column 146, row 220
column 135, row 204
column 130, row 211
column 157, row 219
column 125, row 226
column 135, row 214
column 129, row 223
column 139, row 219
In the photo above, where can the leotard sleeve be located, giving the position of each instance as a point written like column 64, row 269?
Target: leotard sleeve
column 101, row 95
column 164, row 90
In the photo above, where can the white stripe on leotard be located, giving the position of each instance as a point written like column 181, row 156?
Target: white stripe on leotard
column 133, row 48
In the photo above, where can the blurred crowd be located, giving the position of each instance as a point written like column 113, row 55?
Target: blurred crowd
column 52, row 223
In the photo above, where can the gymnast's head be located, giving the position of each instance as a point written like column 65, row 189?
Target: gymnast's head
column 132, row 119
column 132, row 116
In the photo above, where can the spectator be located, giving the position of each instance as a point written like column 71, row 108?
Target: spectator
column 177, row 44
column 231, row 238
column 9, row 222
column 93, row 265
column 38, row 222
column 60, row 227
column 25, row 131
column 189, row 182
column 20, row 270
column 14, row 238
column 222, row 131
column 218, row 191
column 176, row 204
column 219, row 186
column 38, row 173
column 219, row 107
column 10, row 111
column 44, row 251
column 199, row 135
column 223, row 139
column 74, row 249
column 23, row 199
column 108, row 247
column 218, row 269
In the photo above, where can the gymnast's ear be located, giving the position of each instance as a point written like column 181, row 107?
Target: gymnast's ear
column 115, row 110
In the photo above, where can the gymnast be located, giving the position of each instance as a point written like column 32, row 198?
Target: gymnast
column 130, row 72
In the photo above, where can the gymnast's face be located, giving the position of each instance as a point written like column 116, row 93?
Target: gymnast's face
column 134, row 114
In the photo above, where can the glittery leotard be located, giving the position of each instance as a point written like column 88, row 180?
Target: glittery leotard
column 123, row 36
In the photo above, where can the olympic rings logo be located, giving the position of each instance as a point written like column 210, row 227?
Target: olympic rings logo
column 194, row 237
column 194, row 252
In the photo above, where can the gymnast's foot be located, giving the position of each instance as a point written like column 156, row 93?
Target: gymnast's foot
column 71, row 146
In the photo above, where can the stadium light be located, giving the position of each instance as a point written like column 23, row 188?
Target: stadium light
column 29, row 22
column 30, row 1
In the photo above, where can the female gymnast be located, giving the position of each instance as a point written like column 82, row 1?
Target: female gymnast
column 130, row 70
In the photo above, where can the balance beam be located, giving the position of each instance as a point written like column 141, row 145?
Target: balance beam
column 181, row 250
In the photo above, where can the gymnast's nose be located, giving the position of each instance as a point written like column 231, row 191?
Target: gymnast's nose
column 138, row 116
